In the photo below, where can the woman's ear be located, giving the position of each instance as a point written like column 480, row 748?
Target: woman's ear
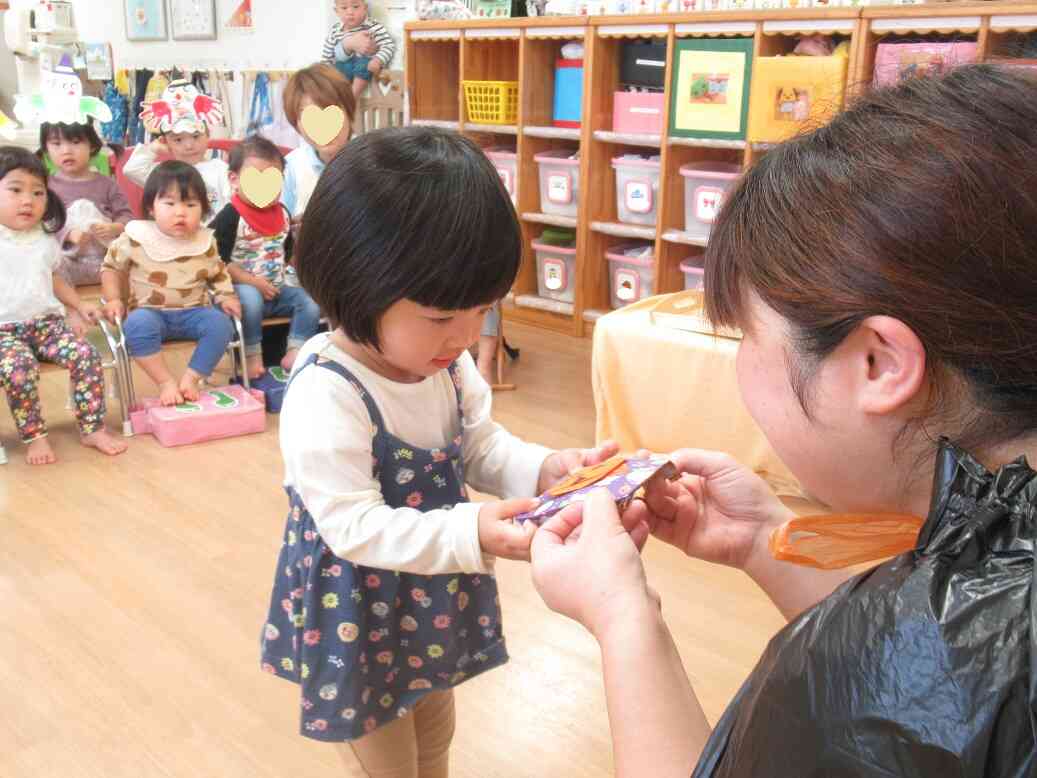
column 892, row 365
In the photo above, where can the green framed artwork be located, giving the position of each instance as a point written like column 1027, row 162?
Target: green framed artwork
column 709, row 96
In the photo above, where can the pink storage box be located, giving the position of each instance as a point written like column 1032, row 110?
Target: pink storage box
column 506, row 162
column 706, row 184
column 222, row 412
column 638, row 112
column 559, row 182
column 637, row 189
column 556, row 272
column 630, row 278
column 896, row 62
column 694, row 271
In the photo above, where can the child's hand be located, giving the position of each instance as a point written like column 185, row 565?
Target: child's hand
column 374, row 67
column 159, row 147
column 77, row 239
column 267, row 289
column 114, row 310
column 76, row 323
column 232, row 307
column 106, row 231
column 89, row 311
column 360, row 43
column 560, row 464
column 499, row 535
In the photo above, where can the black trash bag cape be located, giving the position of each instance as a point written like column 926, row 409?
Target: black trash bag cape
column 922, row 666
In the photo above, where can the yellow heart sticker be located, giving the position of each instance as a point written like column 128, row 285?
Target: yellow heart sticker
column 322, row 125
column 261, row 187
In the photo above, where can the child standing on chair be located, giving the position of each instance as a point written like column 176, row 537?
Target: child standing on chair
column 32, row 318
column 384, row 597
column 256, row 242
column 172, row 266
column 360, row 65
column 182, row 116
column 97, row 209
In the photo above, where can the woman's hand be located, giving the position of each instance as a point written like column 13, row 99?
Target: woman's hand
column 560, row 464
column 502, row 537
column 719, row 510
column 587, row 563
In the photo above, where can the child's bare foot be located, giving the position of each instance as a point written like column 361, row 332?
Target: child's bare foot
column 189, row 385
column 254, row 365
column 169, row 393
column 104, row 442
column 289, row 359
column 40, row 453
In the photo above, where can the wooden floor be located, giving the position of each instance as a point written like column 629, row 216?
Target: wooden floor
column 132, row 592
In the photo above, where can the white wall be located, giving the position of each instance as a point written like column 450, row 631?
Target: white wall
column 288, row 35
column 8, row 74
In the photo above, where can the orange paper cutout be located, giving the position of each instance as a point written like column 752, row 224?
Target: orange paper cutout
column 587, row 476
column 832, row 541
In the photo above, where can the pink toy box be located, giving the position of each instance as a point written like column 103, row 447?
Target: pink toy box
column 221, row 412
column 896, row 62
column 638, row 112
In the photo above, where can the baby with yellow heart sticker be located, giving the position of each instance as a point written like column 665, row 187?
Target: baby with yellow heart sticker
column 254, row 238
column 319, row 103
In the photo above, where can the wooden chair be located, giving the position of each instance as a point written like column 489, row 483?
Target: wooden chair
column 382, row 104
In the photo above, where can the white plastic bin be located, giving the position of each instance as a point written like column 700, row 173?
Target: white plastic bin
column 706, row 184
column 637, row 188
column 556, row 271
column 506, row 161
column 559, row 182
column 694, row 271
column 631, row 277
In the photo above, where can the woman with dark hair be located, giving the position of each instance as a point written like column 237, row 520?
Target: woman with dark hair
column 883, row 271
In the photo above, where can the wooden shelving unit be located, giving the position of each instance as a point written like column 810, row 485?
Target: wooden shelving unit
column 442, row 54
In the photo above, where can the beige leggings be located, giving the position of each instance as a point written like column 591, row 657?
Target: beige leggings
column 415, row 746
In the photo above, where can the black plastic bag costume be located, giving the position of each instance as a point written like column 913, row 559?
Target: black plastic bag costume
column 923, row 666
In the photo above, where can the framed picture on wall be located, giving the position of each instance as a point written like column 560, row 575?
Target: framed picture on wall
column 193, row 20
column 710, row 90
column 145, row 20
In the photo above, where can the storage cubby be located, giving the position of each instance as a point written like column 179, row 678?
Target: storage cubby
column 434, row 79
column 526, row 50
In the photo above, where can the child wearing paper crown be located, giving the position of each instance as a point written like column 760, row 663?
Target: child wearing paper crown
column 357, row 45
column 384, row 597
column 33, row 303
column 173, row 266
column 254, row 238
column 182, row 116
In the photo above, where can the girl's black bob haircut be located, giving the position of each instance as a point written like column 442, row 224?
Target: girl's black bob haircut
column 70, row 132
column 180, row 176
column 17, row 158
column 409, row 213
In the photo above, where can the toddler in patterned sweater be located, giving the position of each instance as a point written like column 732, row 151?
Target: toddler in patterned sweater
column 358, row 46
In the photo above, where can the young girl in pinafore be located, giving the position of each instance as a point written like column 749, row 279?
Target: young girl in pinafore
column 384, row 596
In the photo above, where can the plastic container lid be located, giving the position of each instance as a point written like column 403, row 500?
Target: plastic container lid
column 538, row 246
column 501, row 151
column 726, row 170
column 617, row 255
column 618, row 162
column 558, row 236
column 557, row 157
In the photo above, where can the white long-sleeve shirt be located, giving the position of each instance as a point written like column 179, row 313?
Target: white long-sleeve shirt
column 214, row 172
column 326, row 443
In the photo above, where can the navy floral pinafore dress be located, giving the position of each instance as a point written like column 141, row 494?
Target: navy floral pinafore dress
column 363, row 643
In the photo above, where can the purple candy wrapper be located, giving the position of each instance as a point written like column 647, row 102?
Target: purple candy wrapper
column 622, row 485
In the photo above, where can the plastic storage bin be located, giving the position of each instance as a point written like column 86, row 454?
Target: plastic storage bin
column 637, row 189
column 556, row 271
column 705, row 186
column 643, row 63
column 506, row 161
column 491, row 102
column 638, row 112
column 559, row 182
column 899, row 61
column 631, row 278
column 568, row 98
column 694, row 271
